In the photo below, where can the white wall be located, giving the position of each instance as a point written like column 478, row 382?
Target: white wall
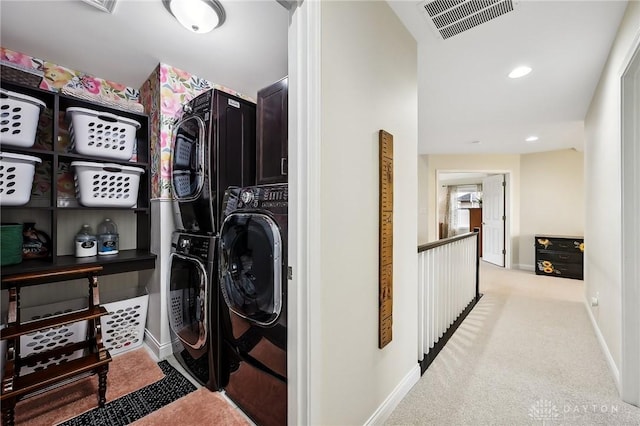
column 603, row 197
column 499, row 163
column 369, row 82
column 551, row 198
column 423, row 200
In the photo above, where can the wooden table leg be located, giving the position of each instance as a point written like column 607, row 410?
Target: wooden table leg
column 8, row 412
column 102, row 385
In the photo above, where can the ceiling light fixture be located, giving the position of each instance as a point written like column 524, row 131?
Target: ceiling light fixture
column 531, row 139
column 520, row 72
column 199, row 16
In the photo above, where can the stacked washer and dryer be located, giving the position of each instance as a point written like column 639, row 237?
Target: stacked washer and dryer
column 227, row 289
column 213, row 148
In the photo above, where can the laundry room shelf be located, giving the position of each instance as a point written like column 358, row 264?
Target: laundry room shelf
column 53, row 204
column 124, row 261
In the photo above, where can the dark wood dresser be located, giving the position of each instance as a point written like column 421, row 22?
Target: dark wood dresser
column 559, row 256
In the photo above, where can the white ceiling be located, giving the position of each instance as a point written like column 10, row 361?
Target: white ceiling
column 464, row 94
column 246, row 53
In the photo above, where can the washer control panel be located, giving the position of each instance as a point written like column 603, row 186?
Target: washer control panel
column 194, row 245
column 267, row 196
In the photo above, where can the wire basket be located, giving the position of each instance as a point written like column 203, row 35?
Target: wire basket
column 101, row 134
column 19, row 115
column 106, row 184
column 16, row 178
column 123, row 326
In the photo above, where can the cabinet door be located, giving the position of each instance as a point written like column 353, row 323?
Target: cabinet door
column 272, row 137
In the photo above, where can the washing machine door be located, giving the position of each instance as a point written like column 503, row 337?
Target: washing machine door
column 251, row 267
column 188, row 300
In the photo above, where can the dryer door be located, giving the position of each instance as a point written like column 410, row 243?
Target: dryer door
column 251, row 267
column 189, row 170
column 187, row 159
column 188, row 300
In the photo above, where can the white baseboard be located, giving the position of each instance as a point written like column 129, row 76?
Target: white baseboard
column 526, row 267
column 391, row 402
column 161, row 351
column 603, row 345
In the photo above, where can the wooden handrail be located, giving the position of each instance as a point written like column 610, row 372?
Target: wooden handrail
column 434, row 244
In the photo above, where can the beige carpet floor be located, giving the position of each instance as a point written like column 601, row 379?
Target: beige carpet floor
column 526, row 354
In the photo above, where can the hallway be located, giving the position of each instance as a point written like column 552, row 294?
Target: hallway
column 527, row 354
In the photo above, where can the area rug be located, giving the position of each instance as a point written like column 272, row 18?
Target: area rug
column 135, row 405
column 199, row 408
column 128, row 372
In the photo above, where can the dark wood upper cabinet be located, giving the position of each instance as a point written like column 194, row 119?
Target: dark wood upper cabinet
column 272, row 134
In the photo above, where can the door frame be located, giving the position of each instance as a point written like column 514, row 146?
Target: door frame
column 508, row 207
column 630, row 182
column 304, row 362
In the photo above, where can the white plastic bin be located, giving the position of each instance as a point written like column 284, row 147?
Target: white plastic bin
column 101, row 134
column 123, row 326
column 19, row 115
column 16, row 178
column 106, row 184
column 44, row 340
column 184, row 152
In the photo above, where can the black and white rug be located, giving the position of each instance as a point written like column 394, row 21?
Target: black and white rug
column 138, row 404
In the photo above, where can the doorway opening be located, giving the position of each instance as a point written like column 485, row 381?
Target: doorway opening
column 630, row 111
column 476, row 199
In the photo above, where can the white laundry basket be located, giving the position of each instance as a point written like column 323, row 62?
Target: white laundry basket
column 55, row 337
column 19, row 115
column 106, row 184
column 184, row 152
column 123, row 326
column 183, row 186
column 101, row 134
column 16, row 178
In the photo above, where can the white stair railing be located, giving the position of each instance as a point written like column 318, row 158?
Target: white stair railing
column 447, row 288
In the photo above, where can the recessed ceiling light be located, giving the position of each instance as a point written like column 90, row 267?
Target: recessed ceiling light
column 520, row 71
column 531, row 139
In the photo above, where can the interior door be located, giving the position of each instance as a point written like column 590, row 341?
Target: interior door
column 493, row 219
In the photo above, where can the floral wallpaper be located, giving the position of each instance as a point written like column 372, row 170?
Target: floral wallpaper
column 163, row 95
column 21, row 60
column 55, row 78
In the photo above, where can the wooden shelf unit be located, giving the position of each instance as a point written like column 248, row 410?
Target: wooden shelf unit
column 54, row 153
column 94, row 360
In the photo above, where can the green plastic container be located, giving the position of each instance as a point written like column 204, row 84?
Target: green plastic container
column 10, row 243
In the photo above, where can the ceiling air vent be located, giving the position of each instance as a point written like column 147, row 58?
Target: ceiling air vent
column 451, row 17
